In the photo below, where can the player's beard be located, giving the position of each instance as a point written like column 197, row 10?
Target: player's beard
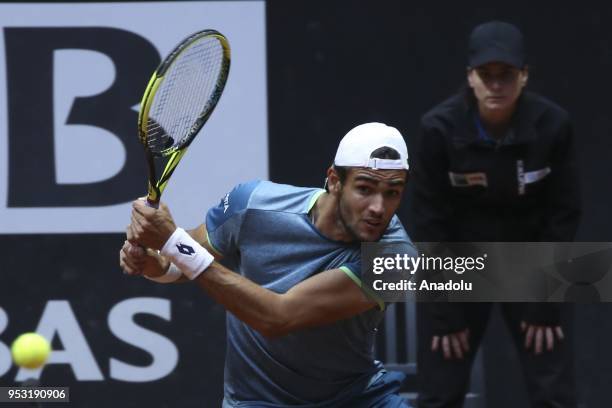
column 352, row 233
column 343, row 214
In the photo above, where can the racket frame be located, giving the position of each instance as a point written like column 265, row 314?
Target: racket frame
column 157, row 185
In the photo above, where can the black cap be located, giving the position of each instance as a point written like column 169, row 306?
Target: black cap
column 496, row 41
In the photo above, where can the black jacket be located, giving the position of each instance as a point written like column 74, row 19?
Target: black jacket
column 470, row 188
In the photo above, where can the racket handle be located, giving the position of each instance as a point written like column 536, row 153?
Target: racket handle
column 152, row 204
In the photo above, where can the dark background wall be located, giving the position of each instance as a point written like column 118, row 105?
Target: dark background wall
column 335, row 64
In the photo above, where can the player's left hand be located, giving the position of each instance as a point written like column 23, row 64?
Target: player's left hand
column 538, row 335
column 150, row 227
column 135, row 260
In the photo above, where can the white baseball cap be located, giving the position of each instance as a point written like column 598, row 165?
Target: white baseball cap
column 357, row 146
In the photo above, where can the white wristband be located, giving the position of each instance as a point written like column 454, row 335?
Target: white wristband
column 172, row 275
column 187, row 254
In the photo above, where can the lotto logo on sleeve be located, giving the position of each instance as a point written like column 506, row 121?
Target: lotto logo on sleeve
column 185, row 249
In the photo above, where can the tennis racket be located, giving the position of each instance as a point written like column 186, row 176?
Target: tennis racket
column 177, row 102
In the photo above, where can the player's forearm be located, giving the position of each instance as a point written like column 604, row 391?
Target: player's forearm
column 260, row 308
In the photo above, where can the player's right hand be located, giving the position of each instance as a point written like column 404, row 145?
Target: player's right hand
column 453, row 345
column 135, row 261
column 150, row 227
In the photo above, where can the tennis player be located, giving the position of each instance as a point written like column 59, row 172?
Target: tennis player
column 300, row 327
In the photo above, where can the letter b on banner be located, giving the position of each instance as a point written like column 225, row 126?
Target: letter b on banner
column 33, row 180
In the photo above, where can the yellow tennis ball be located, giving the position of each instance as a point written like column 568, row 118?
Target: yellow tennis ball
column 30, row 350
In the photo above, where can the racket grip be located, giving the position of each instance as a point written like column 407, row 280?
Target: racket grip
column 152, row 204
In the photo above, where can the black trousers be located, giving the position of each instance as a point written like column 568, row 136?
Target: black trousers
column 444, row 383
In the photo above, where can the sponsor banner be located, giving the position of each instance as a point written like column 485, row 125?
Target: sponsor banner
column 71, row 79
column 116, row 340
column 490, row 272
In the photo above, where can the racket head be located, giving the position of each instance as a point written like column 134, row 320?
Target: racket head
column 180, row 97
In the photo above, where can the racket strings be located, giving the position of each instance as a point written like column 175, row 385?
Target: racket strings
column 184, row 94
